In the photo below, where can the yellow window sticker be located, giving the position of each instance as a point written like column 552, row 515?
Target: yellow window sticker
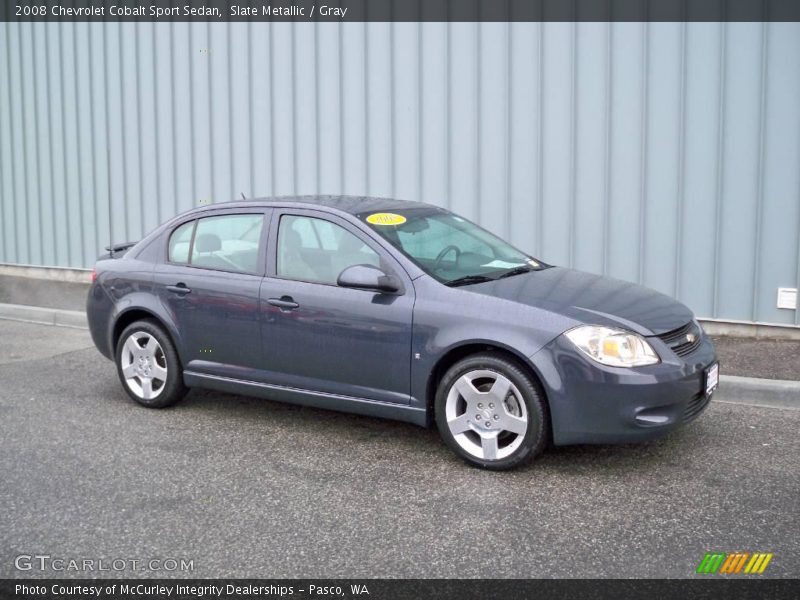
column 386, row 219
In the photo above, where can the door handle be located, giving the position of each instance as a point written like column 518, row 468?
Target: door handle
column 179, row 289
column 284, row 302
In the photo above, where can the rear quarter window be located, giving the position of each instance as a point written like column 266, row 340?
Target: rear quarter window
column 179, row 243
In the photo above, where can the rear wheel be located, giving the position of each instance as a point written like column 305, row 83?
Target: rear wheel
column 491, row 413
column 148, row 365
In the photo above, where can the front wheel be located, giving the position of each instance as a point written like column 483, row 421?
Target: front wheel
column 148, row 365
column 491, row 413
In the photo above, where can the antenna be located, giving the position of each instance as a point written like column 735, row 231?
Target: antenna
column 243, row 196
column 108, row 177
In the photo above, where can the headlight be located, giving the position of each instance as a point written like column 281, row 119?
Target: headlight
column 613, row 347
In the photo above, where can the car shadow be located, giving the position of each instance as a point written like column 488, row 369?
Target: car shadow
column 422, row 444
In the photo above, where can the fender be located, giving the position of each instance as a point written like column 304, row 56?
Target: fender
column 423, row 369
column 147, row 302
column 438, row 331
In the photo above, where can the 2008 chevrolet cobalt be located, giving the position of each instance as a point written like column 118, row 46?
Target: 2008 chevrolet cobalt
column 401, row 310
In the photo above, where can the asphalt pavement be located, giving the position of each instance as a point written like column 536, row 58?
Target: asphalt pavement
column 250, row 488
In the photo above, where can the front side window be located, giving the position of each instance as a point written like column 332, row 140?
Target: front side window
column 228, row 243
column 448, row 247
column 317, row 250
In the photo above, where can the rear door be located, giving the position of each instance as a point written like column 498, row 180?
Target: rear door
column 210, row 284
column 320, row 337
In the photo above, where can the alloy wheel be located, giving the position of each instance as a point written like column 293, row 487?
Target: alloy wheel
column 486, row 414
column 144, row 366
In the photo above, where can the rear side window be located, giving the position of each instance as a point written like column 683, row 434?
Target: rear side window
column 228, row 243
column 179, row 243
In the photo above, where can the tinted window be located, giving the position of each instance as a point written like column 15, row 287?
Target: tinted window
column 228, row 243
column 439, row 235
column 447, row 246
column 316, row 250
column 179, row 243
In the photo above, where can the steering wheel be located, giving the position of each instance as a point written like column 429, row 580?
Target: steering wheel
column 443, row 253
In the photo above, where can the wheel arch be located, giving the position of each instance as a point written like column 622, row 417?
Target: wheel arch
column 460, row 351
column 139, row 313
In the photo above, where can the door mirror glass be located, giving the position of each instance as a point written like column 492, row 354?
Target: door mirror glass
column 368, row 277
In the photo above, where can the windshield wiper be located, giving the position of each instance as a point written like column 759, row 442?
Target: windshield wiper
column 516, row 271
column 468, row 279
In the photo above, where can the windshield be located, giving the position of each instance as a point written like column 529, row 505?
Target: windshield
column 448, row 247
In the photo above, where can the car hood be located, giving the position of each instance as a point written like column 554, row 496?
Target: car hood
column 592, row 299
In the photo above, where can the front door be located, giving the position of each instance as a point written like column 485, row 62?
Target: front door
column 320, row 337
column 210, row 284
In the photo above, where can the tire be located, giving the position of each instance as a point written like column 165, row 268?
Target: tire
column 148, row 365
column 515, row 410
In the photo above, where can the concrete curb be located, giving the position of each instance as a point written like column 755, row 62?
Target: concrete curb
column 44, row 316
column 65, row 274
column 768, row 331
column 774, row 393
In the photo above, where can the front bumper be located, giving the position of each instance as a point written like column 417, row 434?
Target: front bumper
column 591, row 403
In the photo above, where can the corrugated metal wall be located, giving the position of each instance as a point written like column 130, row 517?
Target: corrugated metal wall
column 664, row 153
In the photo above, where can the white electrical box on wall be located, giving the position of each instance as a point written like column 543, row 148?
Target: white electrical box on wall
column 787, row 298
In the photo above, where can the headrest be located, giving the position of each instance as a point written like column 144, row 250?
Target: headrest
column 291, row 239
column 207, row 242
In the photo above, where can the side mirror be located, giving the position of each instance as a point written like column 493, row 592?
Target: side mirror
column 367, row 277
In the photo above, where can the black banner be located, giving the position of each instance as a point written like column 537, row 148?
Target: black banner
column 336, row 11
column 729, row 588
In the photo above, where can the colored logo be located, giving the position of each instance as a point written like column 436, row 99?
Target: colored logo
column 734, row 563
column 386, row 219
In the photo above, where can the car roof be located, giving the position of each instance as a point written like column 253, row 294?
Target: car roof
column 347, row 204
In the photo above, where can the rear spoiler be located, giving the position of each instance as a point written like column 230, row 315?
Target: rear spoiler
column 120, row 247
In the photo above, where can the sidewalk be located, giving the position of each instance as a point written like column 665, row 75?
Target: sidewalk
column 743, row 357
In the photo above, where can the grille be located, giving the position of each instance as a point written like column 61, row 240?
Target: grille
column 684, row 340
column 695, row 406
